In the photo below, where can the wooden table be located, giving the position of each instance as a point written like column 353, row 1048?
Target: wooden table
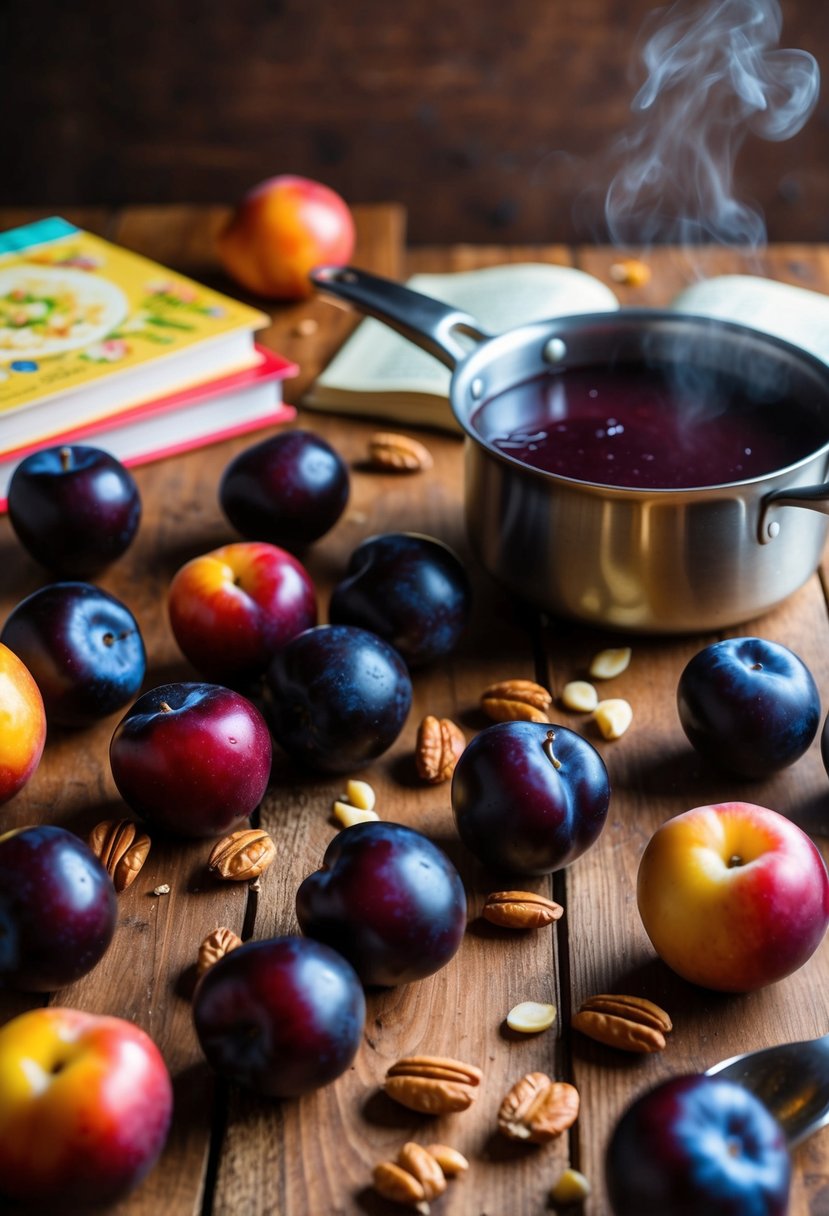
column 232, row 1154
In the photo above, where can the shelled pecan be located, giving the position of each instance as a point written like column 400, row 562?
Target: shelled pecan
column 242, row 855
column 122, row 849
column 630, row 1023
column 433, row 1085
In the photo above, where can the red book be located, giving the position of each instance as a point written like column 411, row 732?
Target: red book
column 189, row 418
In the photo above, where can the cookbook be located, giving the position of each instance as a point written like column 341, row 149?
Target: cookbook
column 88, row 329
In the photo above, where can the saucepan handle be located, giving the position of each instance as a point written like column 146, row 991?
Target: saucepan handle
column 813, row 498
column 423, row 320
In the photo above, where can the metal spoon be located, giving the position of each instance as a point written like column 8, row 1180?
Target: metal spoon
column 791, row 1079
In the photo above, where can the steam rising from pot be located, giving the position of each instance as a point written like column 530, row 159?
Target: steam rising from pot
column 714, row 74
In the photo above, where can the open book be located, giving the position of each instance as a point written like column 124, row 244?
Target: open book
column 379, row 374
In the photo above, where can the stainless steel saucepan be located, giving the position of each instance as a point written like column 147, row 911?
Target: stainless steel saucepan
column 641, row 560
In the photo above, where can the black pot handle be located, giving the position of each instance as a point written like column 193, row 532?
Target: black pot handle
column 434, row 326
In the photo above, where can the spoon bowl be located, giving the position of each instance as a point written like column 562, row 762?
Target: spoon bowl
column 791, row 1079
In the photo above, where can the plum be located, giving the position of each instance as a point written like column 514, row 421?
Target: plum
column 193, row 759
column 289, row 489
column 339, row 697
column 83, row 648
column 748, row 705
column 698, row 1144
column 529, row 797
column 57, row 908
column 410, row 590
column 389, row 900
column 282, row 1016
column 74, row 508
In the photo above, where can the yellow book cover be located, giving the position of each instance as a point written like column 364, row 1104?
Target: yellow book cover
column 88, row 328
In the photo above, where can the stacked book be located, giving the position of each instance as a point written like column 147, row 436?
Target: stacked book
column 101, row 346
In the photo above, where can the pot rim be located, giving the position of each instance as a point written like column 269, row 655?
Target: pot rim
column 464, row 403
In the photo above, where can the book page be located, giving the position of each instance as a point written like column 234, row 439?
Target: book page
column 376, row 359
column 793, row 313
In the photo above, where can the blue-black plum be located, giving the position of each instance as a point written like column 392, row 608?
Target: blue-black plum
column 410, row 590
column 529, row 797
column 338, row 697
column 697, row 1144
column 748, row 705
column 388, row 899
column 57, row 909
column 74, row 508
column 289, row 489
column 281, row 1016
column 83, row 648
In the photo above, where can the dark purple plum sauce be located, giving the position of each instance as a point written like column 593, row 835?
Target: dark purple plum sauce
column 666, row 426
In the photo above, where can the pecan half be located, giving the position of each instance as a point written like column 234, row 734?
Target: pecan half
column 392, row 1182
column 438, row 748
column 520, row 910
column 630, row 1023
column 122, row 849
column 242, row 855
column 514, row 700
column 537, row 1109
column 423, row 1166
column 398, row 453
column 419, row 1174
column 433, row 1085
column 449, row 1159
column 215, row 946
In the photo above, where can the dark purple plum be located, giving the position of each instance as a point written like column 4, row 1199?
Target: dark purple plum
column 57, row 909
column 410, row 590
column 289, row 489
column 339, row 697
column 389, row 900
column 529, row 797
column 83, row 648
column 697, row 1144
column 282, row 1016
column 748, row 705
column 192, row 759
column 74, row 508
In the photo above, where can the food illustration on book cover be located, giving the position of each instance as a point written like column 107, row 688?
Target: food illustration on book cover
column 73, row 304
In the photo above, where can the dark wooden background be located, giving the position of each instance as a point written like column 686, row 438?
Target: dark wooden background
column 486, row 118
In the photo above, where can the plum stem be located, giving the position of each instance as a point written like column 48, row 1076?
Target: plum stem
column 65, row 458
column 734, row 860
column 548, row 748
column 165, row 708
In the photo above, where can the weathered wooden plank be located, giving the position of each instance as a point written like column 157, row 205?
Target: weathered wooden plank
column 655, row 774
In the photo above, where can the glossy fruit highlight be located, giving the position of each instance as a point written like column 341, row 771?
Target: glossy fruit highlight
column 57, row 909
column 339, row 697
column 529, row 797
column 74, row 508
column 85, row 1107
column 289, row 490
column 232, row 609
column 280, row 231
column 282, row 1016
column 733, row 896
column 22, row 724
column 697, row 1144
column 192, row 759
column 83, row 648
column 389, row 900
column 410, row 590
column 748, row 705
